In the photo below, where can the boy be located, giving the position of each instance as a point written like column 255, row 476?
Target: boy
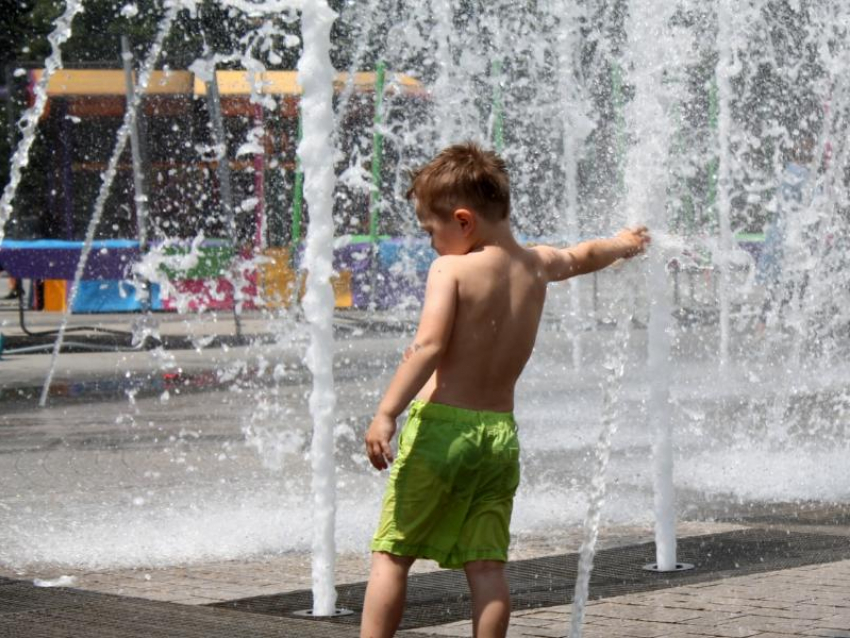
column 451, row 490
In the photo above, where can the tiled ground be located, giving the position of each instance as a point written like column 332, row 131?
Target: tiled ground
column 806, row 601
column 810, row 601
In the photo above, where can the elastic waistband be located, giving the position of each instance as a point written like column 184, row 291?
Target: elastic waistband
column 445, row 412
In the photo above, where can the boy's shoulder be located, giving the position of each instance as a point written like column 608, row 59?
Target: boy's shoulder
column 484, row 263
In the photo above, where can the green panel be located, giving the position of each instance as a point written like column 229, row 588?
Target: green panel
column 213, row 261
column 377, row 152
column 362, row 239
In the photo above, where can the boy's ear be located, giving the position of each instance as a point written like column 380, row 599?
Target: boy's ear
column 466, row 219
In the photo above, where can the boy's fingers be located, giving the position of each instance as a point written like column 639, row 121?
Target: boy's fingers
column 379, row 453
column 374, row 458
column 377, row 461
column 387, row 451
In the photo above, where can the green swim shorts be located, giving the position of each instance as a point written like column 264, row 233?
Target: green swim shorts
column 451, row 488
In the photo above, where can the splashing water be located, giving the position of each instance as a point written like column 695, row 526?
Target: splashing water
column 726, row 69
column 108, row 176
column 612, row 388
column 646, row 189
column 29, row 121
column 315, row 74
column 454, row 53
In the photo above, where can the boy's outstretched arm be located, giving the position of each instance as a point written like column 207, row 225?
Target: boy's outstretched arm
column 420, row 359
column 595, row 254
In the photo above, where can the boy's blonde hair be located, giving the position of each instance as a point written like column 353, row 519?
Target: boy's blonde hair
column 463, row 176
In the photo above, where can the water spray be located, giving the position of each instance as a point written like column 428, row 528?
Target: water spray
column 612, row 387
column 31, row 117
column 107, row 178
column 316, row 75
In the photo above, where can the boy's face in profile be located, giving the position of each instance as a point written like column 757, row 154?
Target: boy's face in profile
column 447, row 235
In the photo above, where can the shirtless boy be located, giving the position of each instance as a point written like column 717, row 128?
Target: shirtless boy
column 450, row 492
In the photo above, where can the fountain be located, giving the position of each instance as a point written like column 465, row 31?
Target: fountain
column 315, row 74
column 681, row 115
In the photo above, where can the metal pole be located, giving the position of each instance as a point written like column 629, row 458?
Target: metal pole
column 223, row 172
column 140, row 200
column 297, row 196
column 259, row 185
column 66, row 140
column 297, row 215
column 620, row 123
column 223, row 167
column 375, row 192
column 711, row 197
column 377, row 153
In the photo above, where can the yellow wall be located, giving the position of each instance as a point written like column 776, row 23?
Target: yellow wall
column 278, row 281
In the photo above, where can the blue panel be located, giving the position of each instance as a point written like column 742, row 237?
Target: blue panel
column 112, row 296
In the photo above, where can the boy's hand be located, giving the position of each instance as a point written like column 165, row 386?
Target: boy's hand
column 378, row 438
column 635, row 240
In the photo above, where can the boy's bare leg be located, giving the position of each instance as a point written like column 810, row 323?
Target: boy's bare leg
column 385, row 595
column 491, row 603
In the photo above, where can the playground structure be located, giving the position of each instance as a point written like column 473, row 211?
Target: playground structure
column 248, row 210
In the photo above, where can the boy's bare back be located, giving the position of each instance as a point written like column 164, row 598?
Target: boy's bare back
column 499, row 300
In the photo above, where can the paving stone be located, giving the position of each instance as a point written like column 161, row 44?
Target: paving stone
column 532, row 621
column 827, row 633
column 837, row 621
column 836, row 596
column 750, row 603
column 713, row 618
column 444, row 631
column 548, row 614
column 641, row 612
column 765, row 624
column 720, row 632
column 541, row 632
column 637, row 629
column 803, row 612
column 195, row 600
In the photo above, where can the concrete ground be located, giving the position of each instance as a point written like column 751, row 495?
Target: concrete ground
column 812, row 600
column 807, row 601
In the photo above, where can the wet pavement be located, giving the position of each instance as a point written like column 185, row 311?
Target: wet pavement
column 160, row 481
column 808, row 600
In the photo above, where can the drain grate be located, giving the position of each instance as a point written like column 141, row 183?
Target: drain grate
column 114, row 617
column 22, row 596
column 442, row 597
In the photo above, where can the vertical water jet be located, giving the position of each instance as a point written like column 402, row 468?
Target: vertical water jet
column 316, row 75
